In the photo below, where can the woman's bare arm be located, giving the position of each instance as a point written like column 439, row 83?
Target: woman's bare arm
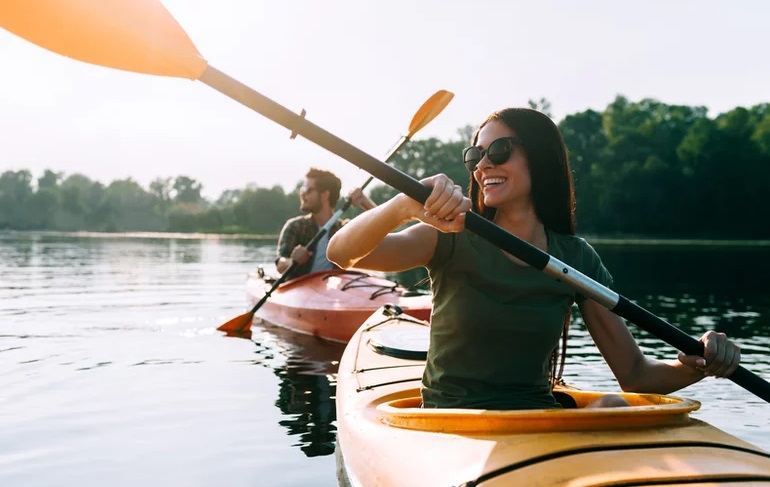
column 367, row 241
column 637, row 373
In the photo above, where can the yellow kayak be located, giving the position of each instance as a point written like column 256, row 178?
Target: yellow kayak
column 386, row 439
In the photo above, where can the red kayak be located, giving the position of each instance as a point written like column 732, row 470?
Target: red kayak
column 332, row 304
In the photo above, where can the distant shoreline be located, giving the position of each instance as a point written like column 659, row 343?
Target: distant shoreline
column 597, row 241
column 165, row 235
column 674, row 242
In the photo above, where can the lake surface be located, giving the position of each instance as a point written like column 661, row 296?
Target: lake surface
column 112, row 371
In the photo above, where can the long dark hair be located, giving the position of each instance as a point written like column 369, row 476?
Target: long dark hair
column 553, row 190
column 553, row 193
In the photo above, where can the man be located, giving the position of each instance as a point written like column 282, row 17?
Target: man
column 318, row 197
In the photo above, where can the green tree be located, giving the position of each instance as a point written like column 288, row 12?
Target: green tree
column 541, row 105
column 639, row 186
column 263, row 210
column 426, row 157
column 49, row 180
column 83, row 205
column 187, row 190
column 41, row 209
column 15, row 192
column 587, row 144
column 132, row 207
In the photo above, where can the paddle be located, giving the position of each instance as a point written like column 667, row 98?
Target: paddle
column 141, row 36
column 427, row 112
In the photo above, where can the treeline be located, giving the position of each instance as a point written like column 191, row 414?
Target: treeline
column 641, row 169
column 648, row 169
column 76, row 203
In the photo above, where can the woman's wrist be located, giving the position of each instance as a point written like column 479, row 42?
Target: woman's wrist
column 408, row 209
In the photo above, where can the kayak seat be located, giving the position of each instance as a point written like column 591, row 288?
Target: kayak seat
column 565, row 400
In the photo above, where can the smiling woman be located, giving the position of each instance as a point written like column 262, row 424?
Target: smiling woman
column 496, row 322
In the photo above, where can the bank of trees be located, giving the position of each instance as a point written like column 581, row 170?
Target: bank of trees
column 649, row 169
column 75, row 203
column 641, row 169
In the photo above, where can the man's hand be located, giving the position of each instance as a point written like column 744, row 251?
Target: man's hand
column 359, row 199
column 301, row 255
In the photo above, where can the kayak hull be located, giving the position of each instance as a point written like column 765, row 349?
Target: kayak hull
column 331, row 304
column 385, row 438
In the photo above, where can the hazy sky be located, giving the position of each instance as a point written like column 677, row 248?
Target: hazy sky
column 361, row 69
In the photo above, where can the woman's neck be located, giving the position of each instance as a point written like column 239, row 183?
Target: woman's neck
column 523, row 223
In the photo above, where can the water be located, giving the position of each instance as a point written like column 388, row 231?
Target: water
column 112, row 372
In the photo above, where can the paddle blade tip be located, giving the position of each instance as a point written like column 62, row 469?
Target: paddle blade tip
column 430, row 110
column 133, row 35
column 238, row 324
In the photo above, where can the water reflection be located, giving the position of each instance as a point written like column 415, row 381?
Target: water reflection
column 695, row 313
column 306, row 368
column 70, row 302
column 696, row 288
column 675, row 270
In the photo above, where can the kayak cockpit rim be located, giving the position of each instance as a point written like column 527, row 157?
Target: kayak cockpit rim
column 645, row 411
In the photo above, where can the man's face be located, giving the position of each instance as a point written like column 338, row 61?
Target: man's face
column 309, row 197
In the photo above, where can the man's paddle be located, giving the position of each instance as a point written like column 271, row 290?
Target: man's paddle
column 141, row 36
column 427, row 112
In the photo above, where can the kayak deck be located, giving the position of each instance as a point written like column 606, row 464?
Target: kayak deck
column 331, row 304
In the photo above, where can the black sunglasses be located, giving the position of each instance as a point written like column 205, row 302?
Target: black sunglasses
column 498, row 152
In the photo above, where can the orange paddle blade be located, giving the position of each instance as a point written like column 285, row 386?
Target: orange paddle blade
column 430, row 110
column 133, row 35
column 238, row 324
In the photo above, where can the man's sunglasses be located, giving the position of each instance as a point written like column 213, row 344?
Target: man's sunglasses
column 498, row 152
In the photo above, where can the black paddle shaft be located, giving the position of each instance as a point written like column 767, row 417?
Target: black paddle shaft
column 473, row 222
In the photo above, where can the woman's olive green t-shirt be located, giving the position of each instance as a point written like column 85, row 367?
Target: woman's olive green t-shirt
column 495, row 323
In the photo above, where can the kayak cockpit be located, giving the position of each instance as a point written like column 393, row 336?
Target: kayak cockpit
column 645, row 411
column 402, row 339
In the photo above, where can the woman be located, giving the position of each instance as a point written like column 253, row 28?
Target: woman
column 496, row 321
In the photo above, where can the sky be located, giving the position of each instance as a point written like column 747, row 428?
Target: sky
column 361, row 69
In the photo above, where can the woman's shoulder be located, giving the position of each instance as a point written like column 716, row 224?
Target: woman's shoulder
column 572, row 241
column 569, row 246
column 578, row 253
